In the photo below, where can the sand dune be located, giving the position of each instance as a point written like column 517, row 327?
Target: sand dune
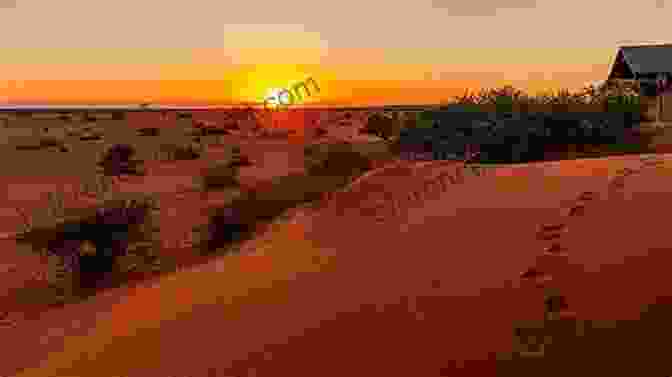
column 334, row 294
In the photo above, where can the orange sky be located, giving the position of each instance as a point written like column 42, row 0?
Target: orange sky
column 351, row 84
column 207, row 53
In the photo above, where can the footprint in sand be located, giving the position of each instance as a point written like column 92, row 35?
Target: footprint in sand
column 577, row 210
column 556, row 249
column 652, row 162
column 551, row 232
column 587, row 196
column 626, row 172
column 539, row 278
column 618, row 182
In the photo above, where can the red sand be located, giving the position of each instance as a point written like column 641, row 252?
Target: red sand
column 341, row 296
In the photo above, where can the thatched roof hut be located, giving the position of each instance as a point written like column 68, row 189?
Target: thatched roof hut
column 651, row 67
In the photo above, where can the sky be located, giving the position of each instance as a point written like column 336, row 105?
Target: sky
column 369, row 52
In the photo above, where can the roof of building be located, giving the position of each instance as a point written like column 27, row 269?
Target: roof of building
column 641, row 60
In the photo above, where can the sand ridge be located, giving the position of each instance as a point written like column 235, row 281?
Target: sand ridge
column 447, row 278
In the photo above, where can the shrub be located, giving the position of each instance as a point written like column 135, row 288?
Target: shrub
column 422, row 120
column 335, row 159
column 238, row 160
column 225, row 227
column 118, row 160
column 508, row 98
column 119, row 115
column 85, row 248
column 149, row 131
column 220, row 175
column 238, row 220
column 98, row 186
column 179, row 152
column 381, row 126
column 206, row 131
column 51, row 141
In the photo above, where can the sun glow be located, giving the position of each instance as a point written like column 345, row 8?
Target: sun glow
column 273, row 92
column 273, row 97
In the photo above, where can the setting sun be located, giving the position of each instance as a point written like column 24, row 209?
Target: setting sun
column 256, row 83
column 273, row 97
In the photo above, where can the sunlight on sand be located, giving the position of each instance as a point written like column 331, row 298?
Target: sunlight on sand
column 514, row 201
column 232, row 280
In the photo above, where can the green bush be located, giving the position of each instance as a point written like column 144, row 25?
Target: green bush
column 424, row 120
column 623, row 104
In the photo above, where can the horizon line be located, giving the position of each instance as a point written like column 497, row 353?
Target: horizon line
column 188, row 107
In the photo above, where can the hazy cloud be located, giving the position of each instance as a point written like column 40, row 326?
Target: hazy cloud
column 481, row 7
column 428, row 32
column 634, row 42
column 7, row 4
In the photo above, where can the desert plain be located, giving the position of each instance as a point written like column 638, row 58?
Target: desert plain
column 542, row 268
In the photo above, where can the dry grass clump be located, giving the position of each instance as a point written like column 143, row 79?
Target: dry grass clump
column 219, row 175
column 238, row 159
column 118, row 160
column 41, row 143
column 339, row 159
column 179, row 152
column 205, row 128
column 149, row 131
column 223, row 174
column 88, row 132
column 383, row 126
column 329, row 167
column 95, row 246
column 241, row 218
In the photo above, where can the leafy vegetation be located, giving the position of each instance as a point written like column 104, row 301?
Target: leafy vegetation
column 508, row 125
column 615, row 93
